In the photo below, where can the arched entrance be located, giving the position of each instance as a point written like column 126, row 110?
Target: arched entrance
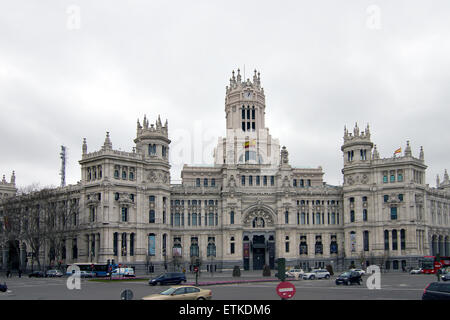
column 258, row 237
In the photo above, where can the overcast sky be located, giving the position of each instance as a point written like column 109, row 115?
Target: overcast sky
column 75, row 69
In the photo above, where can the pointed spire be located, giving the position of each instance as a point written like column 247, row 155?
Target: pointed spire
column 145, row 122
column 375, row 155
column 239, row 76
column 356, row 130
column 445, row 176
column 421, row 154
column 408, row 150
column 368, row 131
column 158, row 122
column 107, row 145
column 4, row 179
column 84, row 148
column 437, row 181
column 13, row 177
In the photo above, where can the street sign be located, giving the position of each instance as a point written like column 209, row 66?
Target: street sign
column 126, row 295
column 285, row 290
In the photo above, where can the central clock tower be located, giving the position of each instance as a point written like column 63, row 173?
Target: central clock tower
column 247, row 140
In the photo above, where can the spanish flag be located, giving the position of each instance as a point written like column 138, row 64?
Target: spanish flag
column 399, row 150
column 248, row 144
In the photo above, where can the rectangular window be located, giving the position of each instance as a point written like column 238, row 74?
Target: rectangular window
column 257, row 180
column 392, row 178
column 124, row 214
column 243, row 180
column 295, row 183
column 152, row 216
column 250, row 180
column 400, row 177
column 232, row 247
column 393, row 213
column 243, row 126
column 272, row 180
column 385, row 178
column 265, row 180
column 253, row 114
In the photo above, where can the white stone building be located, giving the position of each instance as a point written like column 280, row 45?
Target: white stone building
column 250, row 206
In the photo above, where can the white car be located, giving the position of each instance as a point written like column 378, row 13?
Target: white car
column 360, row 271
column 416, row 271
column 316, row 274
column 294, row 273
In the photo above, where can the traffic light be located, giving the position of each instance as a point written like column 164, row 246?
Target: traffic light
column 281, row 268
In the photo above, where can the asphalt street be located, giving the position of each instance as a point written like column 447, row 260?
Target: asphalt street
column 398, row 286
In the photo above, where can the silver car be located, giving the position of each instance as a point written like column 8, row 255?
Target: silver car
column 316, row 274
column 53, row 273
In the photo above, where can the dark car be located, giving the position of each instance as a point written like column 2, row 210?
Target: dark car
column 37, row 274
column 437, row 291
column 3, row 287
column 349, row 277
column 168, row 278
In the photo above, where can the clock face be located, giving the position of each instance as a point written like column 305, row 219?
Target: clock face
column 248, row 95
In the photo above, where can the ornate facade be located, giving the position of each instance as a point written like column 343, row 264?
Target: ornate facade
column 251, row 207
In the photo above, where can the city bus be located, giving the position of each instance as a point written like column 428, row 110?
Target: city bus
column 100, row 269
column 430, row 265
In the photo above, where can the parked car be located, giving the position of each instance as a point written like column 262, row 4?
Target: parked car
column 437, row 291
column 125, row 272
column 36, row 274
column 294, row 272
column 87, row 274
column 445, row 276
column 316, row 274
column 416, row 271
column 181, row 293
column 3, row 287
column 349, row 277
column 53, row 273
column 360, row 271
column 168, row 278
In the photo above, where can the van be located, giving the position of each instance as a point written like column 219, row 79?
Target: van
column 125, row 272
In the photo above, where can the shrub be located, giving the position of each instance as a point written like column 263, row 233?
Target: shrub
column 236, row 271
column 266, row 271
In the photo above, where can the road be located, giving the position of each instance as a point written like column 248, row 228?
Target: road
column 393, row 286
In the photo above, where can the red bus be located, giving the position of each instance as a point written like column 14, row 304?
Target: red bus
column 430, row 265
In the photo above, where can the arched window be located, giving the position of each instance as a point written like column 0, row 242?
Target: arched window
column 402, row 239
column 211, row 219
column 232, row 217
column 194, row 219
column 366, row 240
column 286, row 217
column 132, row 244
column 124, row 244
column 194, row 250
column 394, row 240
column 386, row 240
column 211, row 249
column 151, row 244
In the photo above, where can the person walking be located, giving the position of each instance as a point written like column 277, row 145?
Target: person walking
column 20, row 273
column 8, row 273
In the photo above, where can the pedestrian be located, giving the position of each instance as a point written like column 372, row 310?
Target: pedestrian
column 438, row 274
column 8, row 273
column 20, row 273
